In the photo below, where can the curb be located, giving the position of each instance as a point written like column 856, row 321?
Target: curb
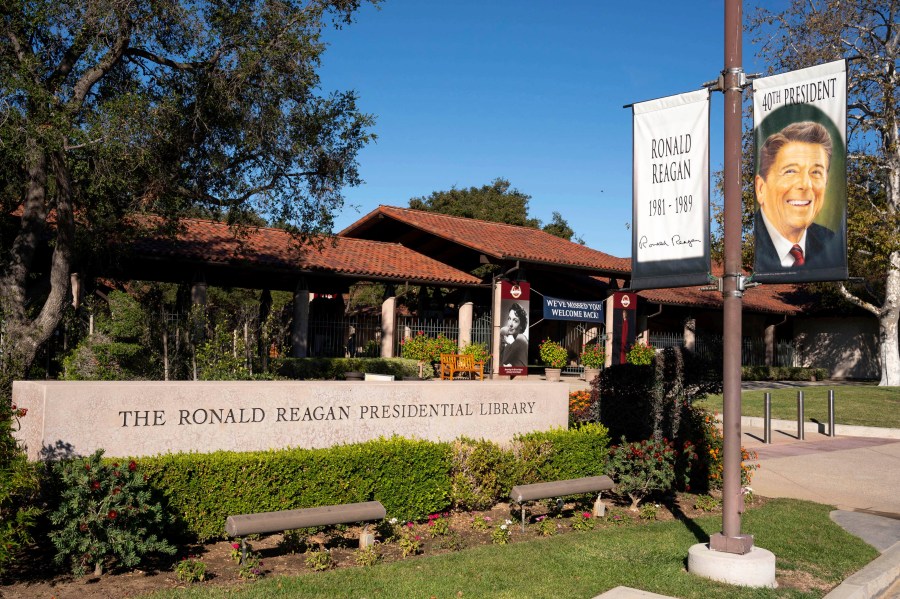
column 844, row 430
column 872, row 580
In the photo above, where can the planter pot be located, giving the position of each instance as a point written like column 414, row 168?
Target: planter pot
column 553, row 374
column 590, row 374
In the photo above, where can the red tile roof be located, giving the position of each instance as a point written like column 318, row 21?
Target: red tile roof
column 777, row 299
column 215, row 242
column 498, row 240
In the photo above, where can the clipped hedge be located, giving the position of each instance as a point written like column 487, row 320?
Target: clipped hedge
column 561, row 454
column 411, row 478
column 783, row 373
column 334, row 368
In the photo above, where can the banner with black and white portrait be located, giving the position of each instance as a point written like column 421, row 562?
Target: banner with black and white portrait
column 515, row 303
column 800, row 179
column 670, row 240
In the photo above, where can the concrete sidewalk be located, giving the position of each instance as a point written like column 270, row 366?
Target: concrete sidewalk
column 858, row 475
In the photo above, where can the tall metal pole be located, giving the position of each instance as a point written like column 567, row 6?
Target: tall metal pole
column 730, row 539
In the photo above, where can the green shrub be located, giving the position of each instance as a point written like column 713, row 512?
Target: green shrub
column 642, row 468
column 783, row 373
column 561, row 454
column 643, row 401
column 126, row 321
column 18, row 487
column 411, row 478
column 118, row 350
column 641, row 354
column 98, row 359
column 105, row 515
column 223, row 356
column 334, row 368
column 482, row 473
column 479, row 351
column 427, row 349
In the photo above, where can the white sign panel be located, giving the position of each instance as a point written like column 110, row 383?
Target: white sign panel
column 670, row 246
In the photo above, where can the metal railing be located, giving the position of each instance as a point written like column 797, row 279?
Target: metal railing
column 351, row 336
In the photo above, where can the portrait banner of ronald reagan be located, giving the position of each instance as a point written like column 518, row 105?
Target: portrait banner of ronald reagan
column 800, row 179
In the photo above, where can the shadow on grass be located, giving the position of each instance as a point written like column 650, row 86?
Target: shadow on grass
column 689, row 523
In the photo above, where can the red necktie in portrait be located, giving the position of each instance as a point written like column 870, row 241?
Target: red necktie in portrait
column 797, row 253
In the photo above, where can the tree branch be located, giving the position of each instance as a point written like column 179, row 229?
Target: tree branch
column 845, row 293
column 93, row 75
column 174, row 64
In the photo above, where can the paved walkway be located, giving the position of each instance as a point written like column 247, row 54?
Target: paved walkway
column 859, row 475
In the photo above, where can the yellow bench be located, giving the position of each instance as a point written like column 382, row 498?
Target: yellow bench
column 454, row 364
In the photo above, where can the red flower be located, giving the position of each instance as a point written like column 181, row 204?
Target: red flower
column 117, row 490
column 22, row 412
column 95, row 484
column 112, row 514
column 132, row 465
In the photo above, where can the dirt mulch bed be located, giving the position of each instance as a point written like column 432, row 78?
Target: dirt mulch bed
column 35, row 575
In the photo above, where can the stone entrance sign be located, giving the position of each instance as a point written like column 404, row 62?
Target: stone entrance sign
column 137, row 418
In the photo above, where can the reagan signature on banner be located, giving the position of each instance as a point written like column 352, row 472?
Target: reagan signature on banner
column 672, row 242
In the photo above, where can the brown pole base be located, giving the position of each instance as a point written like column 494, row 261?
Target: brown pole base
column 741, row 544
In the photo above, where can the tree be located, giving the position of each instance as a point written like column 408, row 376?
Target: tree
column 560, row 228
column 113, row 107
column 867, row 34
column 496, row 202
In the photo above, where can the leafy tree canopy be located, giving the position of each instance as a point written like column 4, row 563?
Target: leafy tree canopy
column 498, row 202
column 111, row 107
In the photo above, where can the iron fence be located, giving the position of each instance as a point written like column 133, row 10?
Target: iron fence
column 356, row 336
column 753, row 349
column 410, row 326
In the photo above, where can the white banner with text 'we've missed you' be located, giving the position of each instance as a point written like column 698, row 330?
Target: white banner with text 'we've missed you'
column 670, row 242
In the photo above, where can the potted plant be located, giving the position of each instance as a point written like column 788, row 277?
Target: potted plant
column 593, row 357
column 554, row 356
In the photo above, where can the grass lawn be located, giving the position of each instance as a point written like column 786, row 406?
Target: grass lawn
column 862, row 405
column 813, row 555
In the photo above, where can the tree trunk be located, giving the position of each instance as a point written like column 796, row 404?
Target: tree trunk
column 888, row 336
column 24, row 333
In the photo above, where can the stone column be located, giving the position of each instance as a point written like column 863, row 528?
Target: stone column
column 388, row 322
column 495, row 325
column 770, row 345
column 644, row 328
column 690, row 333
column 609, row 329
column 198, row 293
column 466, row 313
column 300, row 323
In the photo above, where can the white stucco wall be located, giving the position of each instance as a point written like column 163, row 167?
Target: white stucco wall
column 847, row 347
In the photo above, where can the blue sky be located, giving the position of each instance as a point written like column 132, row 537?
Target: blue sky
column 531, row 91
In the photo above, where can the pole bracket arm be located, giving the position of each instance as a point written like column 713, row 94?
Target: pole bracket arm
column 719, row 84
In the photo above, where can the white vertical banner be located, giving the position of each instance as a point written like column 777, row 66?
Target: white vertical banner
column 670, row 240
column 800, row 180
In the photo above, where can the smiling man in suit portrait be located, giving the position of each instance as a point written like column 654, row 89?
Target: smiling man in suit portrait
column 790, row 191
